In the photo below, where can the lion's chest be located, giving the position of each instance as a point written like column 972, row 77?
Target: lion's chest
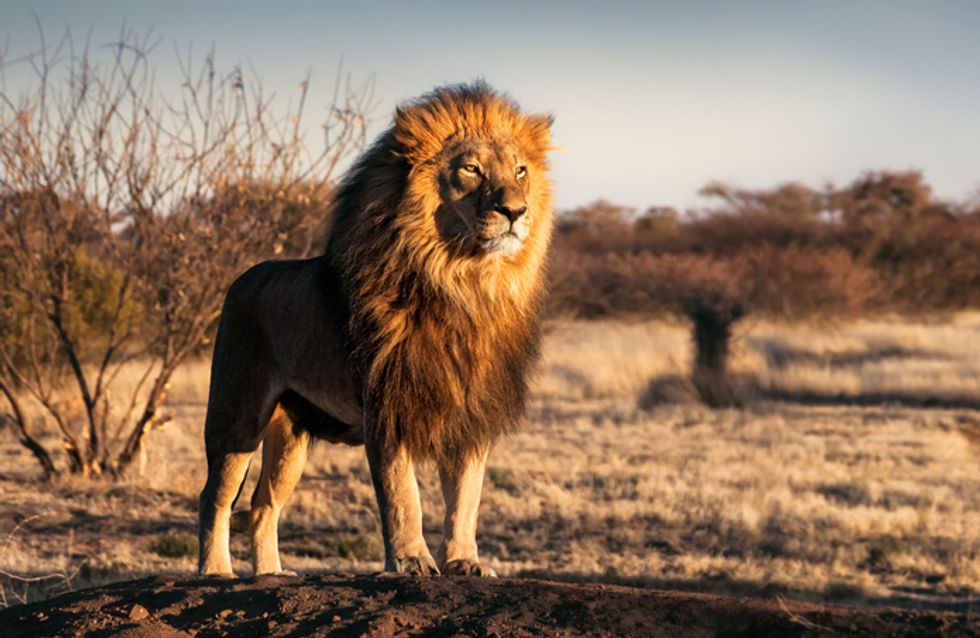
column 449, row 361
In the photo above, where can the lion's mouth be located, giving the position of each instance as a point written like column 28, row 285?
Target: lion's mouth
column 506, row 244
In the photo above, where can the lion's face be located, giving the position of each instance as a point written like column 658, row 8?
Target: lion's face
column 483, row 186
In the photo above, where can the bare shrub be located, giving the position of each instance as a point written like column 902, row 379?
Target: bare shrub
column 124, row 215
column 929, row 263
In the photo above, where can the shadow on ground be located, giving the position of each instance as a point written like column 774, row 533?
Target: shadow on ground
column 383, row 605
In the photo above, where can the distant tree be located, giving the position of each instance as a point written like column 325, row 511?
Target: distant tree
column 594, row 227
column 884, row 197
column 786, row 283
column 656, row 224
column 599, row 216
column 791, row 199
column 713, row 295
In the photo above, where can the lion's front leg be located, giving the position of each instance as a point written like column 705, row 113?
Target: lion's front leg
column 462, row 483
column 397, row 491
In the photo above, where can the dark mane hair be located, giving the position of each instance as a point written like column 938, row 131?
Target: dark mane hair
column 444, row 339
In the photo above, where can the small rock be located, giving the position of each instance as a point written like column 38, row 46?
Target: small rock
column 138, row 612
column 272, row 624
column 224, row 613
column 335, row 618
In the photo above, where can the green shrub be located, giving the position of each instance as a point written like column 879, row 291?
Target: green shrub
column 176, row 545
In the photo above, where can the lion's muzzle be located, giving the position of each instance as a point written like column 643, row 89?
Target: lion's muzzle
column 504, row 233
column 512, row 210
column 505, row 226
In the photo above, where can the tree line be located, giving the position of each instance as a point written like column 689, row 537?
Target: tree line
column 883, row 243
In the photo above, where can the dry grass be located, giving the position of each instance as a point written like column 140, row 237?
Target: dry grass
column 936, row 363
column 833, row 494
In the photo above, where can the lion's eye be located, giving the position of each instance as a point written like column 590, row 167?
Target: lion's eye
column 473, row 169
column 521, row 171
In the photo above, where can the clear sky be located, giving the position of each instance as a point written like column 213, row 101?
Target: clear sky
column 652, row 99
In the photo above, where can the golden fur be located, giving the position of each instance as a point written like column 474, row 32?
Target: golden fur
column 413, row 333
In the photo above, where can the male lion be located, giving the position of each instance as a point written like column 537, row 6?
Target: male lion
column 413, row 334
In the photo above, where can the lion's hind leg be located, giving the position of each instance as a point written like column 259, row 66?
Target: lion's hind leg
column 234, row 427
column 226, row 473
column 284, row 453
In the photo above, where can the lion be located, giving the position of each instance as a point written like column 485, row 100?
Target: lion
column 413, row 334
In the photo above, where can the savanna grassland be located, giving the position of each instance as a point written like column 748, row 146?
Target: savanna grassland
column 851, row 473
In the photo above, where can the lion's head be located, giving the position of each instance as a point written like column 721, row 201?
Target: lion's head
column 459, row 192
column 478, row 167
column 483, row 185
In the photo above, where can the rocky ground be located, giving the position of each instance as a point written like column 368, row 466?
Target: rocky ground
column 362, row 605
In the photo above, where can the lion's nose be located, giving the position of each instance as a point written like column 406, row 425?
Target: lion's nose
column 511, row 211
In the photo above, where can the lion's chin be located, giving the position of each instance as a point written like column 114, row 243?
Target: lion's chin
column 504, row 245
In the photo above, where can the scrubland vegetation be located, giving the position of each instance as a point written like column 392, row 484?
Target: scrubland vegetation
column 778, row 393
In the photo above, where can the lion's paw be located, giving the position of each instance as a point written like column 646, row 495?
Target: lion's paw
column 285, row 573
column 218, row 574
column 466, row 567
column 415, row 565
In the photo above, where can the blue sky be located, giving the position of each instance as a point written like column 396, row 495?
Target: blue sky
column 652, row 99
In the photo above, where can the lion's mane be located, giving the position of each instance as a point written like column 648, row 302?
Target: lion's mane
column 445, row 335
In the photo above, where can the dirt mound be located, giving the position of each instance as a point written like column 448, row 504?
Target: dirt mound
column 355, row 605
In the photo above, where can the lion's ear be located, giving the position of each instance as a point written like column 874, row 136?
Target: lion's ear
column 538, row 133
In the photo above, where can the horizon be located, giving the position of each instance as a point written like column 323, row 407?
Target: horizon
column 651, row 102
